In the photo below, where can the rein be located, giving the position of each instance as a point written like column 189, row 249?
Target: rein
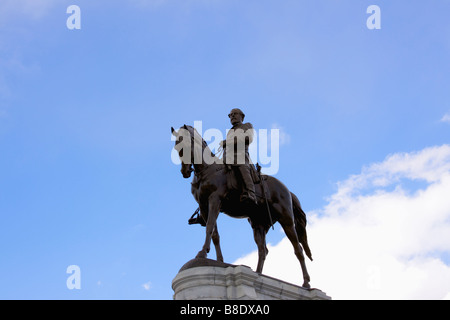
column 202, row 174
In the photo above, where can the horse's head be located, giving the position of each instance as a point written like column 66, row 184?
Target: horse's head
column 184, row 145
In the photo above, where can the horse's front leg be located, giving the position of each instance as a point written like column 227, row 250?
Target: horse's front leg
column 213, row 213
column 216, row 241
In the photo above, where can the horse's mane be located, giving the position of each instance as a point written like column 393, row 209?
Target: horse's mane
column 198, row 138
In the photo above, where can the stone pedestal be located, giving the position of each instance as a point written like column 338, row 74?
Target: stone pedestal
column 205, row 279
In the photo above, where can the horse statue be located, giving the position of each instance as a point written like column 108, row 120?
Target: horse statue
column 214, row 193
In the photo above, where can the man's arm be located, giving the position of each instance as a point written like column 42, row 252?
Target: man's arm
column 249, row 132
column 241, row 135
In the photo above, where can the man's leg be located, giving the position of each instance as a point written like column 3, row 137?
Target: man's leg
column 249, row 187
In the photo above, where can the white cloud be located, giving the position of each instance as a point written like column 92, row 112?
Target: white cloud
column 15, row 66
column 34, row 9
column 147, row 286
column 284, row 137
column 376, row 238
column 446, row 118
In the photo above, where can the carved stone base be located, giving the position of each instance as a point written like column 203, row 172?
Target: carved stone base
column 205, row 279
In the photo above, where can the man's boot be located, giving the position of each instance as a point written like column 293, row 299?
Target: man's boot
column 249, row 187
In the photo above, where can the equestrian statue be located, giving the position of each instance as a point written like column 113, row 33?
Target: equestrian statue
column 234, row 186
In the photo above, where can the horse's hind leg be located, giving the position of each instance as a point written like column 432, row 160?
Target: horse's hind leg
column 289, row 229
column 216, row 241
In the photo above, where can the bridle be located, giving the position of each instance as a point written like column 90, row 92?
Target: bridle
column 205, row 171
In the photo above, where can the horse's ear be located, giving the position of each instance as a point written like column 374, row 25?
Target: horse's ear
column 184, row 126
column 174, row 132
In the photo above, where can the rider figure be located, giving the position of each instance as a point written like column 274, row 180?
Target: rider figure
column 236, row 153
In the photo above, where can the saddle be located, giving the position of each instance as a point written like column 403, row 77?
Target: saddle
column 234, row 184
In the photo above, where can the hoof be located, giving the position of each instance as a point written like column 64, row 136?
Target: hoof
column 306, row 285
column 201, row 255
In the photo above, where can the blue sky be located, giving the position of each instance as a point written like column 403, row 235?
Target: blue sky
column 86, row 176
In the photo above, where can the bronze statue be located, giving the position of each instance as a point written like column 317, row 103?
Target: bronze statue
column 215, row 189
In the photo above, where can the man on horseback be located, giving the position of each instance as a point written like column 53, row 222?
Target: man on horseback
column 211, row 190
column 236, row 154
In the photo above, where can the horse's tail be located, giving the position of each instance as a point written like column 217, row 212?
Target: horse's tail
column 300, row 225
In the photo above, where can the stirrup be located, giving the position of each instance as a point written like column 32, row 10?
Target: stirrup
column 196, row 218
